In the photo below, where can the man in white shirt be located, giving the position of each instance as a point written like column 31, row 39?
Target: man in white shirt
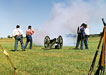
column 86, row 37
column 18, row 35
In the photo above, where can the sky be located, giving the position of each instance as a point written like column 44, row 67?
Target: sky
column 38, row 12
column 24, row 13
column 51, row 17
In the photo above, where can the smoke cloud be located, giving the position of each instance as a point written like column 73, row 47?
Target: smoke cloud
column 66, row 17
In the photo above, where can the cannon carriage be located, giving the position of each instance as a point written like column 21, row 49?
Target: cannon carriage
column 56, row 42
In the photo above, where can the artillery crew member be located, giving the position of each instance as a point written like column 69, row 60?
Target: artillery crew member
column 86, row 36
column 78, row 37
column 29, row 32
column 18, row 35
column 81, row 36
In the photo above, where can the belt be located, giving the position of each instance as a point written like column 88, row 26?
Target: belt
column 28, row 35
column 18, row 35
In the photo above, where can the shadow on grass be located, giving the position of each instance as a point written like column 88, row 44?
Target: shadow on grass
column 76, row 49
column 12, row 50
column 50, row 49
column 15, row 51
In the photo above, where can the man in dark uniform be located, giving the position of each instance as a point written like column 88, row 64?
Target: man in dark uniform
column 81, row 35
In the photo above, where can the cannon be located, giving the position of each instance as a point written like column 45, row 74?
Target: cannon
column 56, row 42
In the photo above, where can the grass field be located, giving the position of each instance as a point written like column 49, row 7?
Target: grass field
column 38, row 61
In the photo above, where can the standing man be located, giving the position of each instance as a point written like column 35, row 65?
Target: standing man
column 81, row 36
column 18, row 35
column 86, row 36
column 78, row 37
column 29, row 32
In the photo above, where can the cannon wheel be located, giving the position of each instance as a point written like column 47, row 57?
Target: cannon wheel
column 60, row 41
column 47, row 42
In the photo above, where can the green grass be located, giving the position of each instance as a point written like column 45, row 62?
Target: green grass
column 38, row 61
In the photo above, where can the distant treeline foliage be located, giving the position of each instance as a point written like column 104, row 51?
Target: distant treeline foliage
column 94, row 35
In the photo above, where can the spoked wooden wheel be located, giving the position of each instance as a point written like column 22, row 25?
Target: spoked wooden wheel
column 47, row 42
column 60, row 41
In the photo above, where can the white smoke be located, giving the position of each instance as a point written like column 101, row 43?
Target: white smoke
column 66, row 17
